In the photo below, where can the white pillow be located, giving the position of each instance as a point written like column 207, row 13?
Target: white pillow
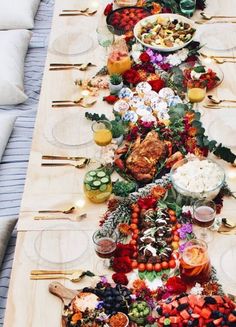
column 6, row 126
column 16, row 14
column 13, row 48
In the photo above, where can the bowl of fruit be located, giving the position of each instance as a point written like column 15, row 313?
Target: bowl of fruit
column 165, row 32
column 138, row 312
column 123, row 20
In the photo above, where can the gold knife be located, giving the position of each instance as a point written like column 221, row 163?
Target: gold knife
column 62, row 157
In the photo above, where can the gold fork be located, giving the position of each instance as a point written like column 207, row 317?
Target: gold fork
column 74, row 278
column 82, row 165
column 79, row 14
column 77, row 218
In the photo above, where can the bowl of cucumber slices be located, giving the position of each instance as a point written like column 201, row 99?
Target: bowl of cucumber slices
column 97, row 185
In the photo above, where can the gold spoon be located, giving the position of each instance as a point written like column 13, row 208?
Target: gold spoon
column 218, row 101
column 70, row 210
column 208, row 17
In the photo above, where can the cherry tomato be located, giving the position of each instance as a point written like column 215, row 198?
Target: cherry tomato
column 176, row 238
column 149, row 266
column 174, row 228
column 134, row 215
column 133, row 242
column 164, row 265
column 136, row 209
column 133, row 226
column 136, row 231
column 134, row 236
column 134, row 221
column 134, row 264
column 178, row 226
column 173, row 219
column 171, row 212
column 141, row 267
column 157, row 267
column 172, row 264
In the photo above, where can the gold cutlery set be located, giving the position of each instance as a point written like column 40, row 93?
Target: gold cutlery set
column 81, row 162
column 220, row 59
column 74, row 276
column 64, row 66
column 215, row 103
column 77, row 12
column 81, row 102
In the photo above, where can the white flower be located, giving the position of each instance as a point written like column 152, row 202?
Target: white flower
column 178, row 57
column 183, row 54
column 197, row 289
column 136, row 51
column 173, row 60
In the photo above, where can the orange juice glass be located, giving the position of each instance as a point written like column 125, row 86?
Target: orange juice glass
column 118, row 60
column 195, row 264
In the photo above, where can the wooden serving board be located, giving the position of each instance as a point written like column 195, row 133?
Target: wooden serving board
column 65, row 294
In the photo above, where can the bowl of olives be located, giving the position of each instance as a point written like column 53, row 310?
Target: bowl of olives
column 139, row 311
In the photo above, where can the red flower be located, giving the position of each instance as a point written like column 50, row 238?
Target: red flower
column 111, row 99
column 147, row 202
column 120, row 278
column 122, row 264
column 175, row 285
column 157, row 84
column 123, row 250
column 108, row 9
column 131, row 76
column 144, row 57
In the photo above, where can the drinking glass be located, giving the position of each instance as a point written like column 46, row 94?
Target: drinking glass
column 105, row 36
column 187, row 7
column 195, row 263
column 102, row 135
column 204, row 213
column 105, row 246
column 196, row 91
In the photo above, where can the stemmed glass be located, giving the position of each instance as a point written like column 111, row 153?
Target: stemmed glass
column 204, row 213
column 196, row 91
column 105, row 246
column 102, row 135
column 105, row 36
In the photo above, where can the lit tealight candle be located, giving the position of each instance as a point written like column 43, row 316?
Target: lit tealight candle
column 231, row 173
column 85, row 93
column 80, row 203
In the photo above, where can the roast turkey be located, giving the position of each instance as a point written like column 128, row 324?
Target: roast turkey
column 142, row 162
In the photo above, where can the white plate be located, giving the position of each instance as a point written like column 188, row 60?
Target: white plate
column 72, row 43
column 74, row 130
column 153, row 18
column 228, row 263
column 223, row 128
column 219, row 37
column 63, row 251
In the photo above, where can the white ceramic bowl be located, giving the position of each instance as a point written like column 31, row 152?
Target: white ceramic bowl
column 208, row 193
column 152, row 19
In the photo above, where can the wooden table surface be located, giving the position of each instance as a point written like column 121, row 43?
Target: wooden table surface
column 29, row 302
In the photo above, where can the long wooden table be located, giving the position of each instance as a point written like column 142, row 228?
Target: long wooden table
column 29, row 302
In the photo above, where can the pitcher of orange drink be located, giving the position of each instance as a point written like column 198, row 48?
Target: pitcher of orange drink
column 195, row 263
column 118, row 59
